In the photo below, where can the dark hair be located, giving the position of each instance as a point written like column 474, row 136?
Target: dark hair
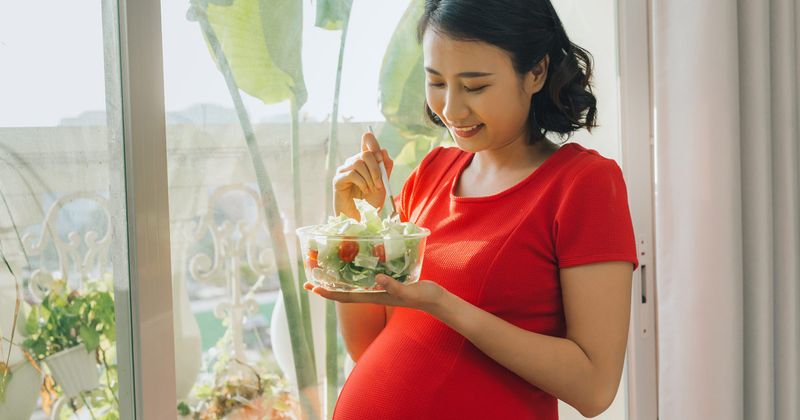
column 528, row 30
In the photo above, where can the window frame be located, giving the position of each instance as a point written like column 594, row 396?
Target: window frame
column 637, row 130
column 150, row 354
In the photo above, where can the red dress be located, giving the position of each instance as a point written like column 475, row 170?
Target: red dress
column 501, row 253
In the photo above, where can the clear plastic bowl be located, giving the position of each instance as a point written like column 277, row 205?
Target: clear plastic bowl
column 350, row 264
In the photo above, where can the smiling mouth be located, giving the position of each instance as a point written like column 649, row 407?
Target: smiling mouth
column 468, row 131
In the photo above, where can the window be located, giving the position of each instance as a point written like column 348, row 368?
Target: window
column 62, row 214
column 243, row 89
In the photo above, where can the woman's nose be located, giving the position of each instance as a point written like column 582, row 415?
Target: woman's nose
column 454, row 108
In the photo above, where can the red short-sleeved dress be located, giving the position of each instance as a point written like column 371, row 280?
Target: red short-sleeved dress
column 502, row 253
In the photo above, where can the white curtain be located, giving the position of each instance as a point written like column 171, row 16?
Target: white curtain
column 727, row 208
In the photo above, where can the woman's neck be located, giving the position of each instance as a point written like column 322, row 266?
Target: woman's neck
column 516, row 155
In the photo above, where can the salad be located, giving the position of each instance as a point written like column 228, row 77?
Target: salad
column 347, row 254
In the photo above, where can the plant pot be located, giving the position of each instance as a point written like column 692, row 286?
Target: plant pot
column 22, row 391
column 75, row 369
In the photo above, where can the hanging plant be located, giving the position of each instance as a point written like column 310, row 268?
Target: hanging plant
column 68, row 318
column 68, row 323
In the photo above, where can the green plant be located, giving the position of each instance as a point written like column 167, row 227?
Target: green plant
column 257, row 397
column 66, row 318
column 407, row 134
column 256, row 45
column 224, row 391
column 333, row 15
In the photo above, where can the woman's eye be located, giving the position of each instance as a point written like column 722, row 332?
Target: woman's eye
column 477, row 89
column 466, row 88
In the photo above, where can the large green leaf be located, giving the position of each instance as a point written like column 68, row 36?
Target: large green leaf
column 331, row 14
column 402, row 78
column 408, row 135
column 262, row 42
column 282, row 23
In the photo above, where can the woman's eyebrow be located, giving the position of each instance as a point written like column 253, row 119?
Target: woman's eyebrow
column 466, row 74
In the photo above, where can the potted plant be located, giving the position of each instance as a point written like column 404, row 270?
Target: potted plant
column 235, row 390
column 65, row 331
column 256, row 397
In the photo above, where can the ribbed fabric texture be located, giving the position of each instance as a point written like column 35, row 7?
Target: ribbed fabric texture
column 501, row 253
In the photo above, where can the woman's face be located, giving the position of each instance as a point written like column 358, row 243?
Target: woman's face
column 474, row 89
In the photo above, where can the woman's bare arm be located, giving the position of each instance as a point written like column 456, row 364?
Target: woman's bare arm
column 582, row 369
column 359, row 324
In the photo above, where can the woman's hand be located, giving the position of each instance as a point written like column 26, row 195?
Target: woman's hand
column 360, row 177
column 424, row 295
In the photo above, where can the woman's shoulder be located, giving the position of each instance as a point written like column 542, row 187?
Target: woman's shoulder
column 582, row 163
column 442, row 156
column 576, row 163
column 588, row 176
column 439, row 162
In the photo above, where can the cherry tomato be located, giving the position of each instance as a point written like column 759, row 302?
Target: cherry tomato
column 312, row 258
column 380, row 252
column 348, row 251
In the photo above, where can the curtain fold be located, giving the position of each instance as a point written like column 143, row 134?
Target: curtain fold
column 757, row 217
column 727, row 208
column 785, row 175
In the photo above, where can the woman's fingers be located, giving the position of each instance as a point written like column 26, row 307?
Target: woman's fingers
column 374, row 169
column 361, row 168
column 348, row 163
column 369, row 143
column 355, row 164
column 380, row 298
column 344, row 180
column 424, row 295
column 394, row 293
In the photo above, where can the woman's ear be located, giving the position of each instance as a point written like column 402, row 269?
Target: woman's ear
column 535, row 78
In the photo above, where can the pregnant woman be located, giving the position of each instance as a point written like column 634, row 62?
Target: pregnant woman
column 526, row 279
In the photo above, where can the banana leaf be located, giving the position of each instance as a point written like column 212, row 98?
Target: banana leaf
column 408, row 135
column 332, row 14
column 262, row 40
column 256, row 45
